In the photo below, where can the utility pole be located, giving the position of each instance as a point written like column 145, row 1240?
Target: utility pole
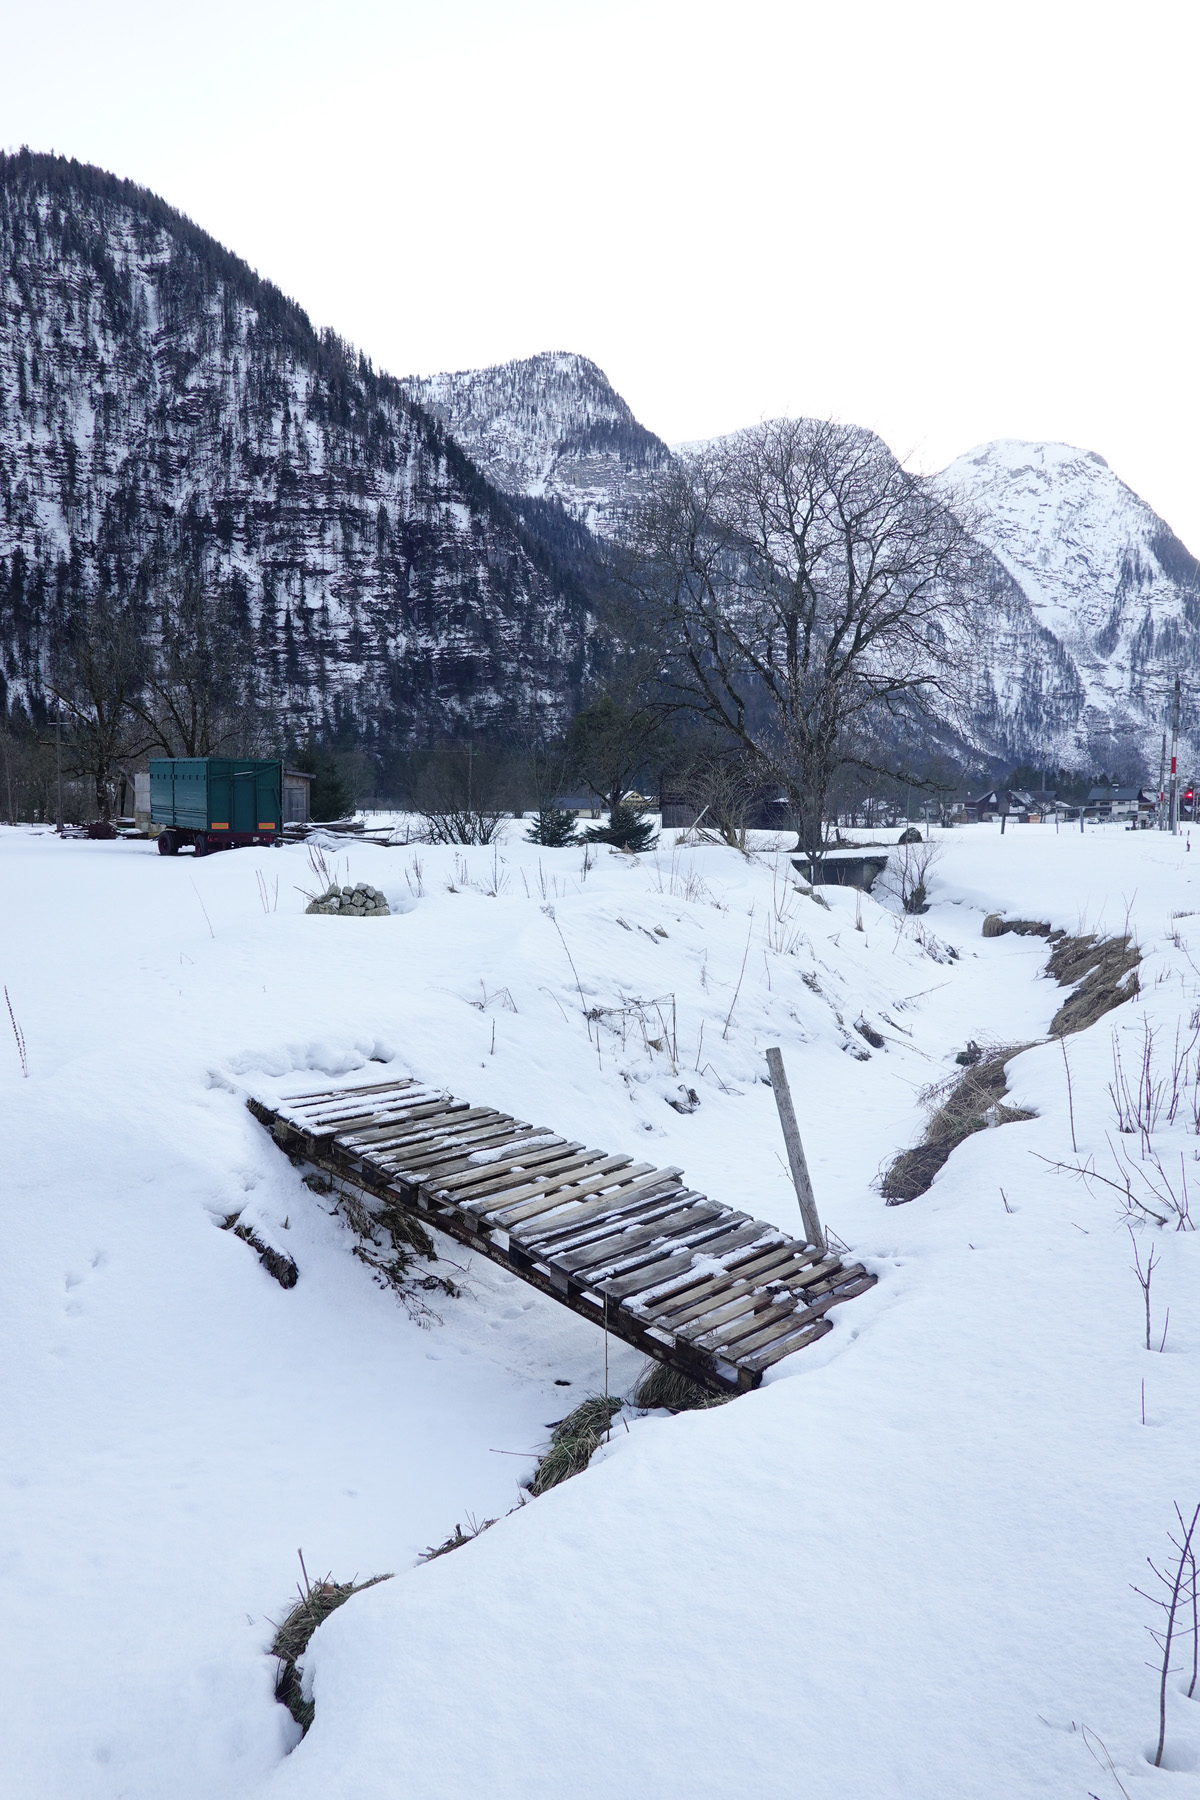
column 1162, row 776
column 58, row 760
column 1174, row 758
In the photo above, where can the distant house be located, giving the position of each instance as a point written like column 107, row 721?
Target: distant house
column 1017, row 803
column 764, row 812
column 1121, row 803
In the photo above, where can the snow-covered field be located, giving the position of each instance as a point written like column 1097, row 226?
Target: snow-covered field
column 901, row 1568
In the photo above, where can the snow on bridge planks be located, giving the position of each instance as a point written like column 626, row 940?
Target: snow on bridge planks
column 711, row 1291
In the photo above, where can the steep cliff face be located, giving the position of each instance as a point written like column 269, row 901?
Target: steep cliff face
column 1103, row 579
column 552, row 428
column 169, row 420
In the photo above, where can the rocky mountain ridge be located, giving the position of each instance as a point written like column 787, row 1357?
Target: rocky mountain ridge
column 409, row 559
column 550, row 427
column 168, row 420
column 1102, row 577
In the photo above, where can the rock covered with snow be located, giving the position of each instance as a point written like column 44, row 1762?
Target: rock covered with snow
column 362, row 901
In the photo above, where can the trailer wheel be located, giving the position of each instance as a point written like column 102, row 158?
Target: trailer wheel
column 168, row 844
column 202, row 844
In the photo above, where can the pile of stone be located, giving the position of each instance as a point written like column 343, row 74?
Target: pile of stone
column 362, row 901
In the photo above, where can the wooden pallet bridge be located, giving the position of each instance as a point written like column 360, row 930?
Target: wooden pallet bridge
column 711, row 1291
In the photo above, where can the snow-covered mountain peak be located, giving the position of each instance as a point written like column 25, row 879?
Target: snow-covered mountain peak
column 1092, row 557
column 549, row 426
column 1100, row 570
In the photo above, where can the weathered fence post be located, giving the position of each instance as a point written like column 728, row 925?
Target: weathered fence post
column 795, row 1149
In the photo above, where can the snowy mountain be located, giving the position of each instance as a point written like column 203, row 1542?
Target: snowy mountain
column 1104, row 607
column 168, row 420
column 550, row 427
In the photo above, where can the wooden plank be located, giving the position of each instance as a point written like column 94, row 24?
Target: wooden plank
column 751, row 1300
column 764, row 1358
column 815, row 1311
column 547, row 1195
column 630, row 1187
column 780, row 1264
column 437, row 1138
column 640, row 1212
column 753, row 1268
column 747, row 1330
column 607, row 1187
column 520, row 1160
column 616, row 1245
column 651, row 1275
column 371, row 1087
column 447, row 1145
column 521, row 1180
column 646, row 1277
column 433, row 1168
column 423, row 1118
column 540, row 1229
column 632, row 1193
column 366, row 1112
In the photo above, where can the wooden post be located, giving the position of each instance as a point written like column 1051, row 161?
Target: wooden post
column 795, row 1149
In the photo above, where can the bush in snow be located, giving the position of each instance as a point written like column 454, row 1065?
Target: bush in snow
column 626, row 830
column 553, row 827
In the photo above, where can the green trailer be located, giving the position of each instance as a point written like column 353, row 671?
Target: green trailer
column 215, row 802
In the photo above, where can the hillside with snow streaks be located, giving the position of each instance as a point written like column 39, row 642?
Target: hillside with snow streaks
column 168, row 419
column 550, row 427
column 1103, row 578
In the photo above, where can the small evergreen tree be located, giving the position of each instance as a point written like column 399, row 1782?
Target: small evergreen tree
column 553, row 827
column 627, row 829
column 330, row 797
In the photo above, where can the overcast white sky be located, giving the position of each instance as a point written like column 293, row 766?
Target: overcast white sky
column 949, row 222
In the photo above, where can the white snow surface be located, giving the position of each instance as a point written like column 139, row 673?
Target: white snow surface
column 902, row 1567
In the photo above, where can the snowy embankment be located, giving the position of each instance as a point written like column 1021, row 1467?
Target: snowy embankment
column 902, row 1567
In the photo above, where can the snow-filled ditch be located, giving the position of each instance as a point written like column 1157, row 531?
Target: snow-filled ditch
column 902, row 1566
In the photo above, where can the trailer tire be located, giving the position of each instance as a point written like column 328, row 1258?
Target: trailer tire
column 168, row 844
column 202, row 844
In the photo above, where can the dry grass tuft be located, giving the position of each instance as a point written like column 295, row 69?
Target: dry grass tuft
column 317, row 1600
column 661, row 1385
column 995, row 926
column 1103, row 972
column 457, row 1539
column 574, row 1440
column 968, row 1103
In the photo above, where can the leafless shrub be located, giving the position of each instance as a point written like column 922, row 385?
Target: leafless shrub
column 1144, row 1277
column 1178, row 1596
column 19, row 1035
column 907, row 874
column 1144, row 1188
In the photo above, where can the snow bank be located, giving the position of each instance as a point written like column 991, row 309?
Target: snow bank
column 901, row 1567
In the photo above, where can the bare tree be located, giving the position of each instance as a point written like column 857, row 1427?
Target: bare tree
column 196, row 697
column 810, row 597
column 97, row 675
column 614, row 740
